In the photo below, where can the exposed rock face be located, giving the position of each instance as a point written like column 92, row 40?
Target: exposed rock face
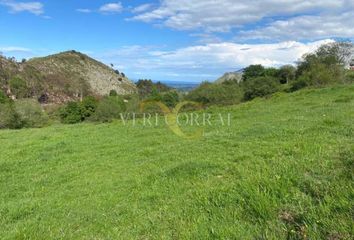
column 66, row 76
column 231, row 76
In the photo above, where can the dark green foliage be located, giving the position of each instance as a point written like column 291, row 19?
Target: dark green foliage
column 18, row 87
column 75, row 112
column 109, row 108
column 298, row 84
column 286, row 74
column 271, row 72
column 170, row 99
column 88, row 106
column 260, row 87
column 253, row 71
column 113, row 93
column 3, row 97
column 71, row 113
column 218, row 94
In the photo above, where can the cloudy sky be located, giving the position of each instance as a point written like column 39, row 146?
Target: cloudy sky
column 180, row 40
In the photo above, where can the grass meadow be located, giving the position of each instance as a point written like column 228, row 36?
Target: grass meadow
column 282, row 170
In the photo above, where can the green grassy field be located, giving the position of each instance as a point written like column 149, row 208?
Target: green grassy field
column 282, row 170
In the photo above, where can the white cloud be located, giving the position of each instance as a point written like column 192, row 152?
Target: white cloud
column 84, row 10
column 15, row 7
column 207, row 61
column 306, row 27
column 111, row 8
column 142, row 8
column 15, row 49
column 225, row 15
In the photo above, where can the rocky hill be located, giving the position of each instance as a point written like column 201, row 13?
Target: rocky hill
column 234, row 76
column 62, row 77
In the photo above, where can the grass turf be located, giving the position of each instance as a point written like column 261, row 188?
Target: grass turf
column 282, row 170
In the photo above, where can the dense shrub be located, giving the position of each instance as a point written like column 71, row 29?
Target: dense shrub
column 170, row 99
column 113, row 93
column 88, row 107
column 260, row 87
column 321, row 75
column 30, row 113
column 349, row 76
column 3, row 97
column 75, row 112
column 9, row 118
column 219, row 94
column 71, row 113
column 253, row 71
column 109, row 108
column 298, row 84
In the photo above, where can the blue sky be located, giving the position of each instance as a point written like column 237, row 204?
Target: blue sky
column 180, row 40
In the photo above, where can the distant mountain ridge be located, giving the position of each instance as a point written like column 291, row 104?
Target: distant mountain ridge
column 64, row 76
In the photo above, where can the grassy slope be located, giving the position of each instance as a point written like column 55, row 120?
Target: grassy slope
column 284, row 169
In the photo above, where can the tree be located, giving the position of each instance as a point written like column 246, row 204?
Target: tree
column 146, row 87
column 286, row 74
column 271, row 72
column 336, row 52
column 328, row 61
column 253, row 71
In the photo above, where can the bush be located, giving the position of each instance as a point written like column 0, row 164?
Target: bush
column 349, row 76
column 253, row 71
column 298, row 84
column 71, row 113
column 113, row 93
column 218, row 94
column 88, row 107
column 260, row 87
column 75, row 112
column 170, row 99
column 321, row 75
column 109, row 108
column 30, row 113
column 3, row 98
column 9, row 118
